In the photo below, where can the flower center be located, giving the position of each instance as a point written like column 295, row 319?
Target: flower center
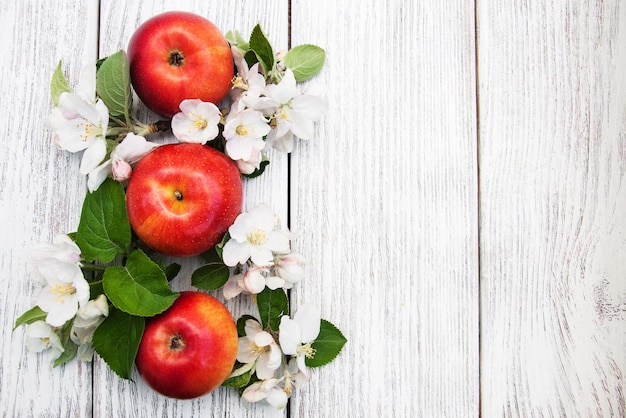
column 62, row 290
column 239, row 83
column 91, row 130
column 307, row 350
column 257, row 350
column 284, row 115
column 242, row 130
column 200, row 121
column 257, row 237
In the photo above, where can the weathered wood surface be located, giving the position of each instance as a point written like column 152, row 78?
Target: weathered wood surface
column 461, row 206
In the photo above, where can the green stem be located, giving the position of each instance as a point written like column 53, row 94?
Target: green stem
column 93, row 267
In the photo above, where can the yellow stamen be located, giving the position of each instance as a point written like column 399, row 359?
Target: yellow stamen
column 257, row 237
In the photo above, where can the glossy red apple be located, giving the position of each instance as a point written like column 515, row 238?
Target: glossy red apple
column 182, row 198
column 179, row 55
column 190, row 349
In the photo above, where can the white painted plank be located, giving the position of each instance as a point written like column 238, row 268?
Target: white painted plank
column 553, row 207
column 119, row 19
column 42, row 192
column 385, row 208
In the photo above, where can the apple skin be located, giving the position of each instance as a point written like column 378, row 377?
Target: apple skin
column 182, row 198
column 179, row 55
column 190, row 349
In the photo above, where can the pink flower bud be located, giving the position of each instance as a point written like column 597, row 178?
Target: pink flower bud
column 121, row 170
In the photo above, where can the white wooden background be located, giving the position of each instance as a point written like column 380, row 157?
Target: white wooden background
column 462, row 207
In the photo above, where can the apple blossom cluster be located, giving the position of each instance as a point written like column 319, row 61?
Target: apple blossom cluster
column 262, row 115
column 272, row 358
column 63, row 308
column 260, row 253
column 261, row 353
column 81, row 123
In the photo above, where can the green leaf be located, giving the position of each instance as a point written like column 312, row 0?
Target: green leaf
column 272, row 305
column 99, row 63
column 69, row 347
column 305, row 61
column 211, row 276
column 241, row 324
column 104, row 230
column 117, row 340
column 172, row 270
column 140, row 288
column 327, row 345
column 235, row 38
column 34, row 314
column 262, row 48
column 240, row 376
column 113, row 85
column 251, row 58
column 58, row 85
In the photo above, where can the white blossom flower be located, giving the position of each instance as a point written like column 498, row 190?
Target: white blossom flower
column 129, row 151
column 290, row 267
column 88, row 318
column 66, row 289
column 296, row 335
column 253, row 236
column 62, row 248
column 80, row 121
column 293, row 112
column 252, row 96
column 259, row 346
column 41, row 336
column 267, row 390
column 197, row 123
column 249, row 83
column 244, row 132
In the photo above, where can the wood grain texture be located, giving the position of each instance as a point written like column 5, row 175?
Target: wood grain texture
column 41, row 193
column 553, row 207
column 384, row 205
column 119, row 19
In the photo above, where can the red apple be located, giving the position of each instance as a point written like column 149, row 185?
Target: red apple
column 179, row 55
column 190, row 349
column 182, row 198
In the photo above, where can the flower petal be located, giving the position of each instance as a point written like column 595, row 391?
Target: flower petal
column 277, row 398
column 309, row 319
column 93, row 156
column 245, row 351
column 235, row 252
column 289, row 335
column 98, row 175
